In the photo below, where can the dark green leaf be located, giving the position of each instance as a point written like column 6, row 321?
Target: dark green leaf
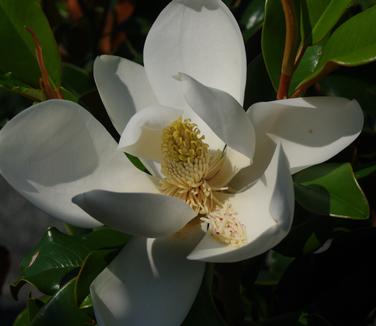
column 307, row 65
column 59, row 256
column 252, row 18
column 204, row 311
column 19, row 57
column 322, row 17
column 273, row 39
column 258, row 87
column 77, row 80
column 331, row 189
column 9, row 83
column 94, row 263
column 351, row 44
column 61, row 310
column 351, row 87
column 296, row 319
column 22, row 319
column 366, row 171
column 276, row 264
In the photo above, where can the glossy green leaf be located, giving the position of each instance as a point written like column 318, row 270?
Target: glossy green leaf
column 252, row 18
column 331, row 189
column 61, row 310
column 94, row 263
column 273, row 39
column 351, row 44
column 307, row 65
column 322, row 16
column 18, row 55
column 59, row 256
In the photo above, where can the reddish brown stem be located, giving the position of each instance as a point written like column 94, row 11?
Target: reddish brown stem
column 49, row 91
column 291, row 37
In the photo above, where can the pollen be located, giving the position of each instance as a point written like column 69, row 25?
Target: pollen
column 188, row 165
column 224, row 225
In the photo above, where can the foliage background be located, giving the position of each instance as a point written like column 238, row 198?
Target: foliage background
column 291, row 285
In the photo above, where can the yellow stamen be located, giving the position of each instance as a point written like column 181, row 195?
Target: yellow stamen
column 188, row 164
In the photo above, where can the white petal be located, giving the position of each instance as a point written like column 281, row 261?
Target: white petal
column 311, row 129
column 149, row 283
column 142, row 137
column 225, row 117
column 55, row 150
column 123, row 87
column 144, row 214
column 200, row 38
column 266, row 209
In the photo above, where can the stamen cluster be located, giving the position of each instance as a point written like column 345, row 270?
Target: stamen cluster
column 188, row 166
column 224, row 225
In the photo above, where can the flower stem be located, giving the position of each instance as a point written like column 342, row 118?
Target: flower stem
column 291, row 38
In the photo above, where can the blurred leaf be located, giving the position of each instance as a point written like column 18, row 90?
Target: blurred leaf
column 258, row 87
column 252, row 18
column 22, row 319
column 337, row 284
column 365, row 171
column 4, row 265
column 61, row 310
column 331, row 189
column 296, row 319
column 351, row 87
column 276, row 264
column 94, row 263
column 322, row 16
column 273, row 39
column 19, row 56
column 204, row 311
column 308, row 233
column 77, row 80
column 8, row 82
column 365, row 4
column 33, row 307
column 351, row 44
column 59, row 256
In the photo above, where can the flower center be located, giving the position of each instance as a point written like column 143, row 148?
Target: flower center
column 188, row 166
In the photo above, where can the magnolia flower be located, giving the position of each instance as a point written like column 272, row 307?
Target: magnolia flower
column 220, row 188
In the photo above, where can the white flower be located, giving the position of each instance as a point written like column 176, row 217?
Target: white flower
column 222, row 198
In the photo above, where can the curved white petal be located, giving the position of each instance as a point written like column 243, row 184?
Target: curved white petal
column 311, row 129
column 149, row 283
column 144, row 214
column 266, row 209
column 225, row 117
column 142, row 137
column 55, row 150
column 200, row 38
column 123, row 87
